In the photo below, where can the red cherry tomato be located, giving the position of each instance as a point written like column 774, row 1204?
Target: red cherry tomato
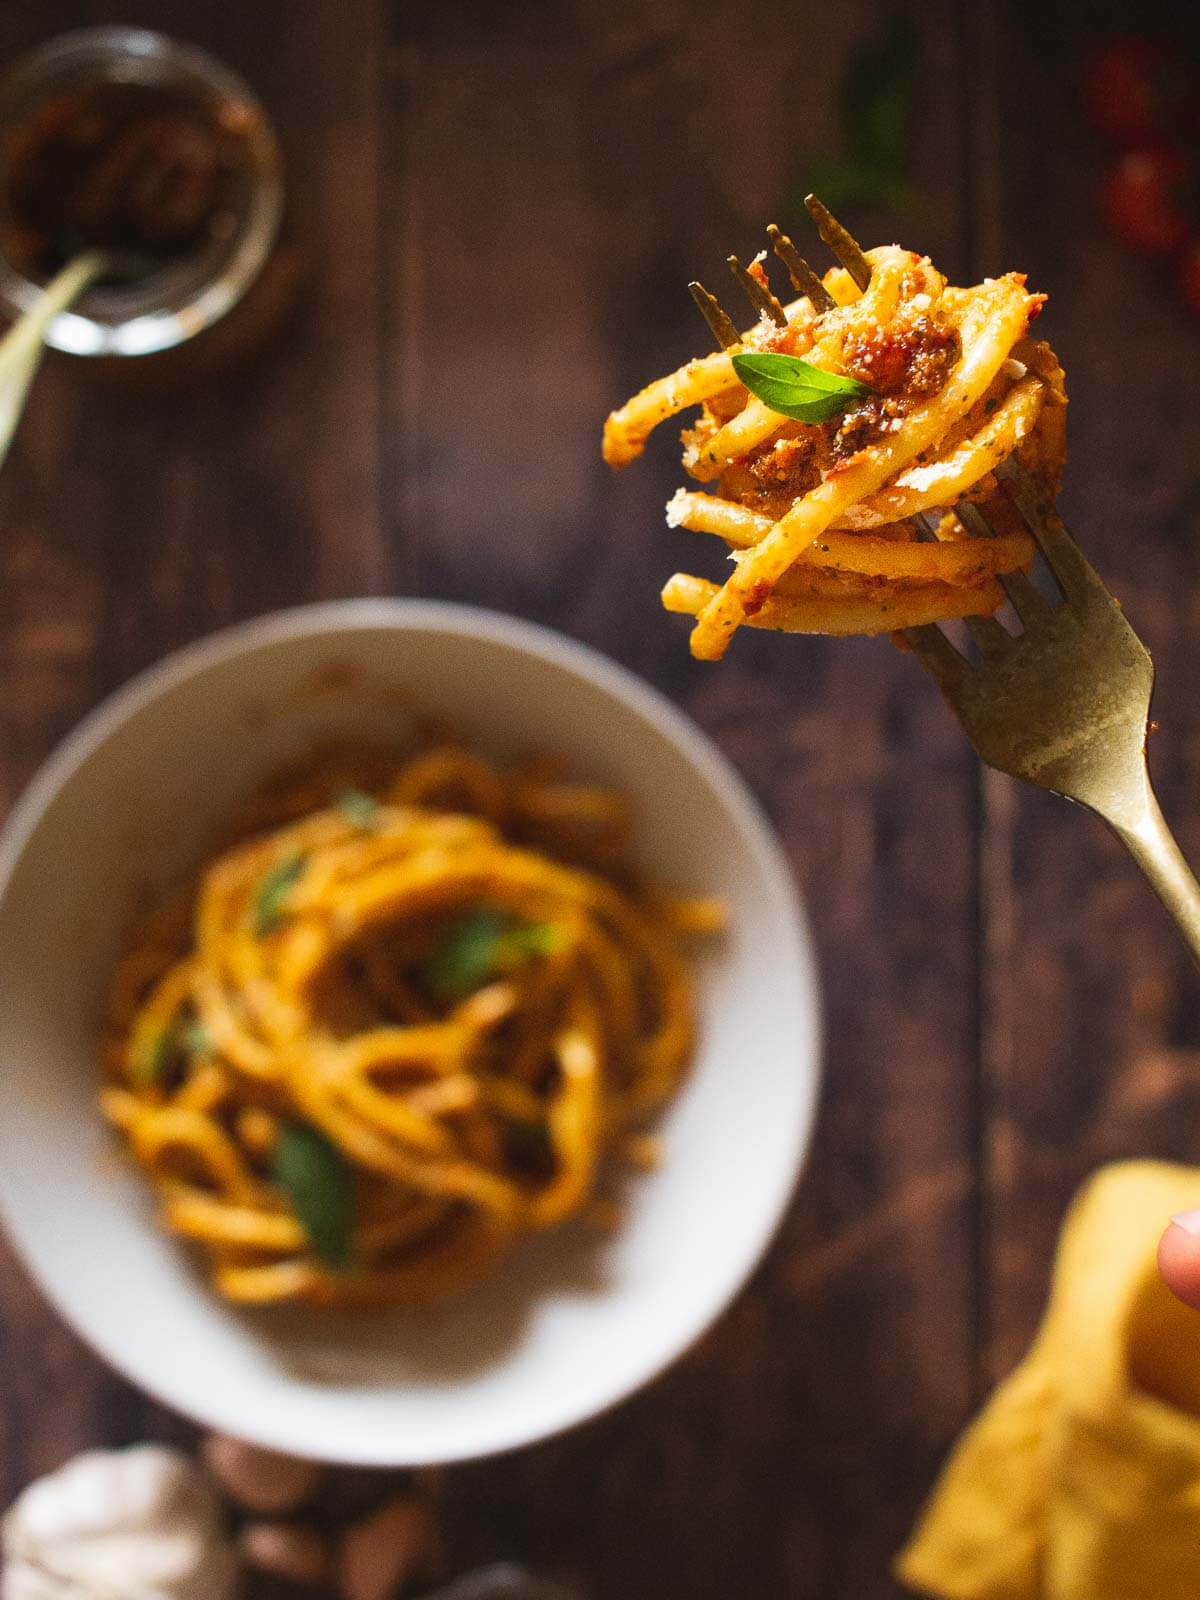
column 1120, row 92
column 1141, row 200
column 1189, row 274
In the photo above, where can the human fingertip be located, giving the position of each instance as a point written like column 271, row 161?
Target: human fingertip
column 1179, row 1259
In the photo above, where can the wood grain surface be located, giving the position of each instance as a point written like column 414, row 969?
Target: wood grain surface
column 495, row 209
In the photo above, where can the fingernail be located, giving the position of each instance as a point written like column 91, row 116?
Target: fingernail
column 1189, row 1221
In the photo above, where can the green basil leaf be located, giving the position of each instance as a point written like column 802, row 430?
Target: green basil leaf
column 196, row 1040
column 319, row 1185
column 464, row 958
column 358, row 808
column 482, row 946
column 796, row 389
column 273, row 891
column 164, row 1058
column 153, row 1064
column 527, row 939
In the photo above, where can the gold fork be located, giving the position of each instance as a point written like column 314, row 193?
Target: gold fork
column 1065, row 703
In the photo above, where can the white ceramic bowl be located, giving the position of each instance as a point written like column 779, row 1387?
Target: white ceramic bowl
column 569, row 1325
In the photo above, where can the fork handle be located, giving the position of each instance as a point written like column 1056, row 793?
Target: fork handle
column 1152, row 845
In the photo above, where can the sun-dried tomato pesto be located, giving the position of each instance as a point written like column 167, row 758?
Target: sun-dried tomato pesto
column 914, row 354
column 130, row 168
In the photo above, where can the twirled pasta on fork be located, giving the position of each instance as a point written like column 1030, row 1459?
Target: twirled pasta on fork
column 843, row 438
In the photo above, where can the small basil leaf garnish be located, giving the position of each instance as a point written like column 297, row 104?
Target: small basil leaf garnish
column 196, row 1040
column 273, row 891
column 480, row 946
column 525, row 940
column 358, row 807
column 464, row 957
column 163, row 1060
column 319, row 1185
column 153, row 1062
column 796, row 388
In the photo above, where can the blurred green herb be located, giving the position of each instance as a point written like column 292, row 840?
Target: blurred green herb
column 795, row 388
column 273, row 891
column 162, row 1059
column 152, row 1064
column 524, row 941
column 319, row 1185
column 481, row 946
column 196, row 1040
column 876, row 101
column 359, row 808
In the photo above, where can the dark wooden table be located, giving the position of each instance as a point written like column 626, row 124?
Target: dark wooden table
column 498, row 207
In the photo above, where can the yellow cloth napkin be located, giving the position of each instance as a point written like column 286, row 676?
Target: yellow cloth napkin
column 1081, row 1478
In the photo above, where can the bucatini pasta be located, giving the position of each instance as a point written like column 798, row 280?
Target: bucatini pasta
column 409, row 1014
column 817, row 514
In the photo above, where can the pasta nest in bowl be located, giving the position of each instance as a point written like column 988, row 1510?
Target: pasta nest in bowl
column 410, row 1013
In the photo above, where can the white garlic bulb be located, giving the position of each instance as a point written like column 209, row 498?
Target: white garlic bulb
column 139, row 1524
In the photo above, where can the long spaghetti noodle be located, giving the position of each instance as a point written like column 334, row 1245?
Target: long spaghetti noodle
column 404, row 1018
column 816, row 513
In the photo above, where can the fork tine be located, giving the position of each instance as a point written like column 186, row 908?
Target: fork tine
column 937, row 655
column 804, row 279
column 843, row 244
column 1029, row 605
column 759, row 297
column 990, row 638
column 1063, row 556
column 989, row 635
column 973, row 520
column 720, row 323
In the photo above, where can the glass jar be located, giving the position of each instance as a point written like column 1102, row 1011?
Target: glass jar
column 171, row 305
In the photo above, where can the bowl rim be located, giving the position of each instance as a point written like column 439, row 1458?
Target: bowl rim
column 583, row 662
